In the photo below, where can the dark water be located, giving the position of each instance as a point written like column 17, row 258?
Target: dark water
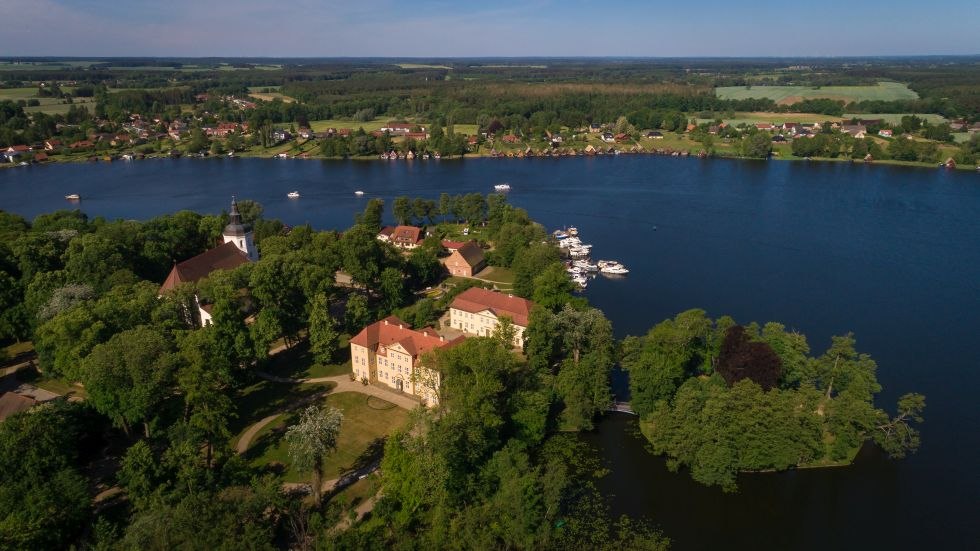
column 892, row 254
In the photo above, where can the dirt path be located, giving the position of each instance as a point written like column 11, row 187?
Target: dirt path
column 246, row 440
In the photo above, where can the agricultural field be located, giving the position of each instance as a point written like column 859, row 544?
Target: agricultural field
column 322, row 125
column 896, row 118
column 59, row 108
column 787, row 95
column 421, row 66
column 774, row 118
column 269, row 96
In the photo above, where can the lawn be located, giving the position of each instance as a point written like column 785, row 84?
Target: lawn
column 497, row 274
column 16, row 349
column 367, row 420
column 265, row 398
column 786, row 95
column 468, row 129
column 298, row 363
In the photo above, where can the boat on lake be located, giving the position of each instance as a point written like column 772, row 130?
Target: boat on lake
column 293, row 195
column 73, row 197
column 359, row 193
column 502, row 187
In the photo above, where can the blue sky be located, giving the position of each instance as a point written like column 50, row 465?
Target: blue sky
column 440, row 28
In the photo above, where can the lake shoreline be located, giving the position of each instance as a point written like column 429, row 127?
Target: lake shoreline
column 376, row 158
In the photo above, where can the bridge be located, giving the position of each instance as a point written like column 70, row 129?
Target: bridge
column 622, row 407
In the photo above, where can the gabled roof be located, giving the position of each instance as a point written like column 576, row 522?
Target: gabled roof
column 471, row 252
column 222, row 257
column 406, row 234
column 12, row 404
column 391, row 331
column 477, row 300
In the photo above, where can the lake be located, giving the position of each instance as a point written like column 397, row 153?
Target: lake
column 890, row 253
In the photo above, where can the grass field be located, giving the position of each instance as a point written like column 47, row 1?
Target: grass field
column 421, row 66
column 320, row 126
column 269, row 96
column 786, row 95
column 367, row 420
column 896, row 118
column 298, row 363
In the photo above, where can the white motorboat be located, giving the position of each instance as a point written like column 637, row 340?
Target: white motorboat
column 573, row 231
column 560, row 235
column 293, row 195
column 502, row 187
column 73, row 197
column 359, row 193
column 615, row 269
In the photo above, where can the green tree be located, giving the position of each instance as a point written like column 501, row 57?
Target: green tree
column 553, row 287
column 357, row 313
column 402, row 209
column 323, row 334
column 129, row 376
column 897, row 436
column 392, row 288
column 311, row 440
column 372, row 215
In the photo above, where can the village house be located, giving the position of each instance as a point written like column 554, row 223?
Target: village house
column 418, row 136
column 510, row 138
column 791, row 127
column 595, row 128
column 621, row 137
column 654, row 135
column 885, row 133
column 478, row 312
column 608, row 137
column 403, row 237
column 465, row 260
column 398, row 127
column 763, row 126
column 389, row 352
column 238, row 248
column 280, row 135
column 855, row 130
column 15, row 151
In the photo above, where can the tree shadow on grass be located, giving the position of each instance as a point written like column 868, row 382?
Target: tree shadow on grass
column 266, row 398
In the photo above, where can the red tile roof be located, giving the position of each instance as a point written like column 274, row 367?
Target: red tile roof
column 391, row 331
column 406, row 235
column 222, row 257
column 453, row 245
column 475, row 300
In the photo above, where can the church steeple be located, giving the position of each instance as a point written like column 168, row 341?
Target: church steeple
column 236, row 233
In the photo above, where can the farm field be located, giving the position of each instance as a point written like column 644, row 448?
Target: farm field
column 421, row 66
column 775, row 118
column 320, row 126
column 786, row 95
column 269, row 96
column 896, row 118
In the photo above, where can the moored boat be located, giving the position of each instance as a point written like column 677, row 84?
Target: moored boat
column 293, row 195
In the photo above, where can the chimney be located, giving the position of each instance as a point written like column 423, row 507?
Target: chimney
column 400, row 326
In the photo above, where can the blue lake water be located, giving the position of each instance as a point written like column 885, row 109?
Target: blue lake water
column 890, row 253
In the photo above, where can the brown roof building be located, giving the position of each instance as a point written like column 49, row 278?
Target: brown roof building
column 478, row 312
column 403, row 237
column 226, row 256
column 466, row 260
column 389, row 352
column 12, row 404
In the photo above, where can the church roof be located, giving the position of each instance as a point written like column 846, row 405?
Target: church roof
column 235, row 226
column 222, row 257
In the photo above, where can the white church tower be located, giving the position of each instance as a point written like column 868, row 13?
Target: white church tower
column 235, row 233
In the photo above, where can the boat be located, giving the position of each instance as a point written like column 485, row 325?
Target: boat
column 560, row 235
column 502, row 187
column 359, row 193
column 293, row 195
column 573, row 231
column 73, row 197
column 612, row 267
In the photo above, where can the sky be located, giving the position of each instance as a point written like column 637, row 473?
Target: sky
column 505, row 28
